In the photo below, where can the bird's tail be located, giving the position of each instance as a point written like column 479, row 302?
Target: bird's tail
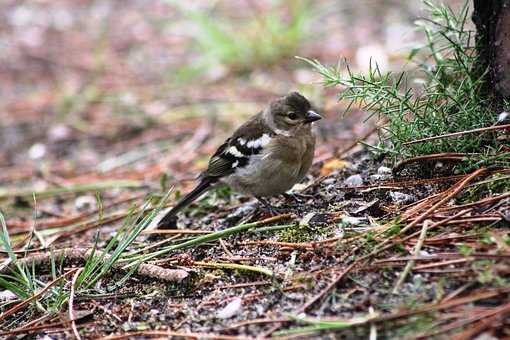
column 202, row 187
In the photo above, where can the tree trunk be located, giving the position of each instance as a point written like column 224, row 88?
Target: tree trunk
column 492, row 20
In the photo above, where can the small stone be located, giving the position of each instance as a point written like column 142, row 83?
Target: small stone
column 6, row 295
column 353, row 181
column 37, row 151
column 329, row 181
column 350, row 220
column 85, row 202
column 377, row 177
column 383, row 170
column 306, row 220
column 298, row 187
column 233, row 308
column 485, row 336
column 401, row 198
column 45, row 337
column 243, row 210
column 59, row 132
column 295, row 296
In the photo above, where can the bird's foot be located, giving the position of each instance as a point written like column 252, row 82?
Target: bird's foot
column 297, row 198
column 269, row 208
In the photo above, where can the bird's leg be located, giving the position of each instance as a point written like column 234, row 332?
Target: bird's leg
column 297, row 198
column 272, row 210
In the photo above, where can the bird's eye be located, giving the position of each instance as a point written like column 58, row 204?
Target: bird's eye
column 292, row 115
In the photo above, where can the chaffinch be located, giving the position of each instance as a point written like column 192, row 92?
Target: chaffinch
column 264, row 157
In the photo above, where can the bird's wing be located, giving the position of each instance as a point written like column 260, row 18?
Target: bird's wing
column 247, row 141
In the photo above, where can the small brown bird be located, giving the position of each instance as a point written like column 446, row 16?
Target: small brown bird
column 264, row 157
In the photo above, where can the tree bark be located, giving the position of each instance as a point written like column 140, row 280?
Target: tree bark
column 492, row 20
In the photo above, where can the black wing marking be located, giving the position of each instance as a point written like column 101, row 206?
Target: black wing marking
column 235, row 153
column 221, row 162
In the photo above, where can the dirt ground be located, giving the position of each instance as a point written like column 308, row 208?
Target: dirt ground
column 106, row 102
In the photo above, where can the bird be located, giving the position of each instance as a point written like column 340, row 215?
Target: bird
column 264, row 157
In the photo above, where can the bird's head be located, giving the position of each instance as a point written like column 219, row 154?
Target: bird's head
column 288, row 114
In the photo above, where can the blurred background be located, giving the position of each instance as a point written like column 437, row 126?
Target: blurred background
column 131, row 89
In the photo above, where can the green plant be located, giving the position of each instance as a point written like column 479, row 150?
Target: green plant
column 23, row 281
column 442, row 94
column 97, row 266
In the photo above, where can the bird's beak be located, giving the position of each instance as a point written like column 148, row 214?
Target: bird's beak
column 312, row 116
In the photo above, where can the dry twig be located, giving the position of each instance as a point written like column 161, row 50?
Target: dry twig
column 70, row 254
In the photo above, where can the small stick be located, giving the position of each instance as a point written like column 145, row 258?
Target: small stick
column 207, row 238
column 456, row 189
column 234, row 266
column 166, row 334
column 484, row 320
column 416, row 252
column 72, row 316
column 245, row 285
column 478, row 203
column 176, row 231
column 302, row 245
column 144, row 269
column 460, row 133
column 443, row 263
column 256, row 322
column 448, row 156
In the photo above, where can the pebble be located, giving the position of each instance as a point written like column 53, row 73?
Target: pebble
column 37, row 151
column 329, row 181
column 242, row 211
column 234, row 307
column 85, row 202
column 485, row 336
column 401, row 198
column 306, row 220
column 377, row 177
column 383, row 170
column 59, row 132
column 7, row 295
column 350, row 220
column 354, row 181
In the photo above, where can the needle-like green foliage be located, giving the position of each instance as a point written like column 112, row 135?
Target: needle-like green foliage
column 442, row 94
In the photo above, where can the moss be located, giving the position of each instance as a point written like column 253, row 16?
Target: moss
column 465, row 249
column 487, row 274
column 303, row 233
column 393, row 230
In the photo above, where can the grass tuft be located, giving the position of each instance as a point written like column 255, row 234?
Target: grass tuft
column 21, row 279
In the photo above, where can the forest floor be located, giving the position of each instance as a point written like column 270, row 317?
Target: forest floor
column 365, row 248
